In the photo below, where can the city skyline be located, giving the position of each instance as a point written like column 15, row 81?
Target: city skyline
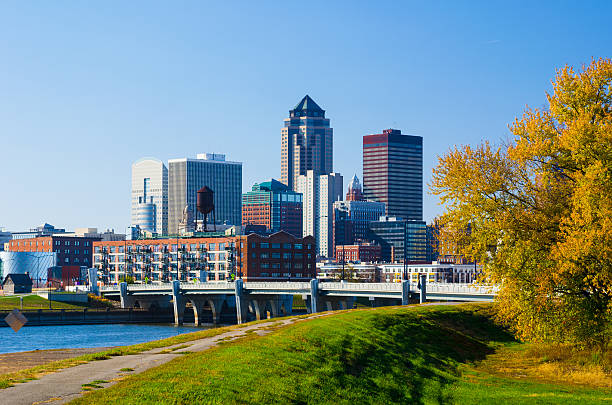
column 90, row 90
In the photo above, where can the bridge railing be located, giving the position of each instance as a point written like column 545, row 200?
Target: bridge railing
column 461, row 288
column 211, row 285
column 279, row 285
column 361, row 286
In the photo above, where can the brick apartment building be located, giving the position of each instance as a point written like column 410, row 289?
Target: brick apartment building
column 277, row 257
column 365, row 253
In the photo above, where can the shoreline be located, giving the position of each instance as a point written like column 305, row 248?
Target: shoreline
column 17, row 361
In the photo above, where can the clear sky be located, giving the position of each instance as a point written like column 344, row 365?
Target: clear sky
column 87, row 89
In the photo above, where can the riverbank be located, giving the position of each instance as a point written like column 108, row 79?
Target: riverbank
column 425, row 354
column 14, row 362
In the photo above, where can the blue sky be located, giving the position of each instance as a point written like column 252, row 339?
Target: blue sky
column 87, row 89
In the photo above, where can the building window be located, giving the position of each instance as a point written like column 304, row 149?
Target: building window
column 286, row 245
column 264, row 245
column 298, row 256
column 264, row 256
column 66, row 260
column 67, row 243
column 276, row 246
column 276, row 255
column 298, row 246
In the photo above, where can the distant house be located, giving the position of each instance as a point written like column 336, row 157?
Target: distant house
column 17, row 284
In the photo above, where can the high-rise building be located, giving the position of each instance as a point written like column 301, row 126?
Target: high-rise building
column 399, row 239
column 150, row 195
column 355, row 193
column 186, row 176
column 351, row 220
column 319, row 193
column 274, row 205
column 393, row 172
column 307, row 143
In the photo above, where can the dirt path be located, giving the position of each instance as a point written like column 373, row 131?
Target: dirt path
column 11, row 362
column 67, row 384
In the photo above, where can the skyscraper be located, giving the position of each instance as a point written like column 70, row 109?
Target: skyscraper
column 307, row 143
column 319, row 193
column 186, row 176
column 150, row 195
column 393, row 172
column 399, row 239
column 273, row 204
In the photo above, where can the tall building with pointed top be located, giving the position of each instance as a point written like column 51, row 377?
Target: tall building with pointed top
column 307, row 143
column 354, row 190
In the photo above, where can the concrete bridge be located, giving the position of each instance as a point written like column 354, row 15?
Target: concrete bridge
column 260, row 299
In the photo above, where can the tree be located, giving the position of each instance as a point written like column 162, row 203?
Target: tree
column 539, row 210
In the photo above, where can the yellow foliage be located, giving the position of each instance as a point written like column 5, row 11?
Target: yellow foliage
column 539, row 211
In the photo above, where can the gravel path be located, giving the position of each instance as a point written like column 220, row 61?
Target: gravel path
column 67, row 384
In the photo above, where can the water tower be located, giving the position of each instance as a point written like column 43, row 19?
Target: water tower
column 206, row 204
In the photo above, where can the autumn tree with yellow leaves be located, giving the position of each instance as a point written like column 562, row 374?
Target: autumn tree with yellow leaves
column 539, row 210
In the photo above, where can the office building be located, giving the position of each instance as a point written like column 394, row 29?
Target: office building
column 186, row 176
column 42, row 230
column 306, row 143
column 319, row 193
column 352, row 219
column 400, row 239
column 273, row 204
column 393, row 172
column 150, row 195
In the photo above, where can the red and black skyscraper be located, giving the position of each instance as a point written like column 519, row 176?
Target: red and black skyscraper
column 393, row 172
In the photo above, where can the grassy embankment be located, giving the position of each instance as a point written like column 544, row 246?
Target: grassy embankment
column 34, row 302
column 445, row 354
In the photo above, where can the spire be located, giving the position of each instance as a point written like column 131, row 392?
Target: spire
column 307, row 107
column 354, row 190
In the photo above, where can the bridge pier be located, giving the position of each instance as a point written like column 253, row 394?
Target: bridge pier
column 242, row 304
column 216, row 306
column 423, row 288
column 314, row 304
column 405, row 292
column 178, row 303
column 127, row 301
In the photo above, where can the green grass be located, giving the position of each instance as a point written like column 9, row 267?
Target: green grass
column 425, row 355
column 34, row 302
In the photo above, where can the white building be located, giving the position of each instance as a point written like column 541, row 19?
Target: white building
column 150, row 195
column 319, row 193
column 436, row 272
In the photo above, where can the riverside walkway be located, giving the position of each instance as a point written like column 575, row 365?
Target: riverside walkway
column 259, row 300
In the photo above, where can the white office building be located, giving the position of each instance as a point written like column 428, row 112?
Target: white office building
column 319, row 193
column 187, row 176
column 150, row 195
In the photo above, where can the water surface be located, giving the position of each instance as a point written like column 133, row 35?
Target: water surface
column 82, row 336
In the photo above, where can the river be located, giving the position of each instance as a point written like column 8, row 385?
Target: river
column 85, row 336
